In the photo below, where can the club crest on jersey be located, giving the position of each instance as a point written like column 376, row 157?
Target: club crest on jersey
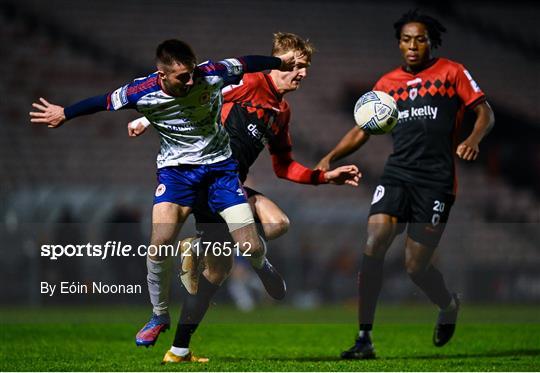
column 379, row 193
column 413, row 93
column 160, row 190
column 205, row 97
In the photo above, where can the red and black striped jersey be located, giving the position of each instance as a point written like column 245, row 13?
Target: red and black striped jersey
column 431, row 104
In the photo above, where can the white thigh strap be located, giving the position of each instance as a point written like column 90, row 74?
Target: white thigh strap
column 237, row 216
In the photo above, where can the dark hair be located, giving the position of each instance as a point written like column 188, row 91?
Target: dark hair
column 434, row 27
column 174, row 50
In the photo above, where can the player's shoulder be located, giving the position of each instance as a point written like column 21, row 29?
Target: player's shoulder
column 250, row 84
column 394, row 75
column 449, row 65
column 144, row 85
column 261, row 88
column 148, row 80
column 254, row 80
column 227, row 66
column 396, row 72
column 209, row 68
column 206, row 67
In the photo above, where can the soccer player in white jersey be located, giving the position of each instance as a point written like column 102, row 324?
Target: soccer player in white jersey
column 183, row 102
column 256, row 115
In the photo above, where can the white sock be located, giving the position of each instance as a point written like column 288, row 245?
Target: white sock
column 159, row 283
column 259, row 261
column 364, row 334
column 179, row 351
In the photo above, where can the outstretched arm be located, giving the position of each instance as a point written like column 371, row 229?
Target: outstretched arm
column 231, row 70
column 51, row 115
column 55, row 115
column 284, row 62
column 348, row 175
column 485, row 119
column 125, row 97
column 351, row 142
column 286, row 167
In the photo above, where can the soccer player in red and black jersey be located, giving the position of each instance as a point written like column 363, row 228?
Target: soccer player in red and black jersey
column 255, row 115
column 418, row 185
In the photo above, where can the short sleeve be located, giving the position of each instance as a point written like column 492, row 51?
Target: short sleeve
column 467, row 88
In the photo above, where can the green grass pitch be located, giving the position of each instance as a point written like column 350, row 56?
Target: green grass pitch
column 488, row 338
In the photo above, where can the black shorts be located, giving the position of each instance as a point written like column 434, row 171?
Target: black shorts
column 212, row 224
column 424, row 210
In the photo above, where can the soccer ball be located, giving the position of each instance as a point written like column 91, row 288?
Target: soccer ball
column 376, row 113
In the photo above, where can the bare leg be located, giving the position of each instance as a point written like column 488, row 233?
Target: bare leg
column 274, row 221
column 250, row 244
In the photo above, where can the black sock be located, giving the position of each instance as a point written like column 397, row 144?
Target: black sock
column 369, row 286
column 193, row 311
column 432, row 284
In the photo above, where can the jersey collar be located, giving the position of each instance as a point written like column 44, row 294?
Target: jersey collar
column 429, row 64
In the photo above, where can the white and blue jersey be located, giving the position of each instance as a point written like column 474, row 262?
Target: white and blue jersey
column 189, row 126
column 195, row 152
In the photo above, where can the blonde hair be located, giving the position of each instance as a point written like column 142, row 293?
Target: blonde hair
column 286, row 41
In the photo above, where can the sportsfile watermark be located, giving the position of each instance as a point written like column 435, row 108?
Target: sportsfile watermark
column 104, row 267
column 118, row 249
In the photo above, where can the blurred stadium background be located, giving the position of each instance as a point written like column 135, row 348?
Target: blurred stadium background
column 89, row 182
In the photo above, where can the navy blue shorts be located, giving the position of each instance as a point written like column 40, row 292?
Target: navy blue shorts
column 181, row 185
